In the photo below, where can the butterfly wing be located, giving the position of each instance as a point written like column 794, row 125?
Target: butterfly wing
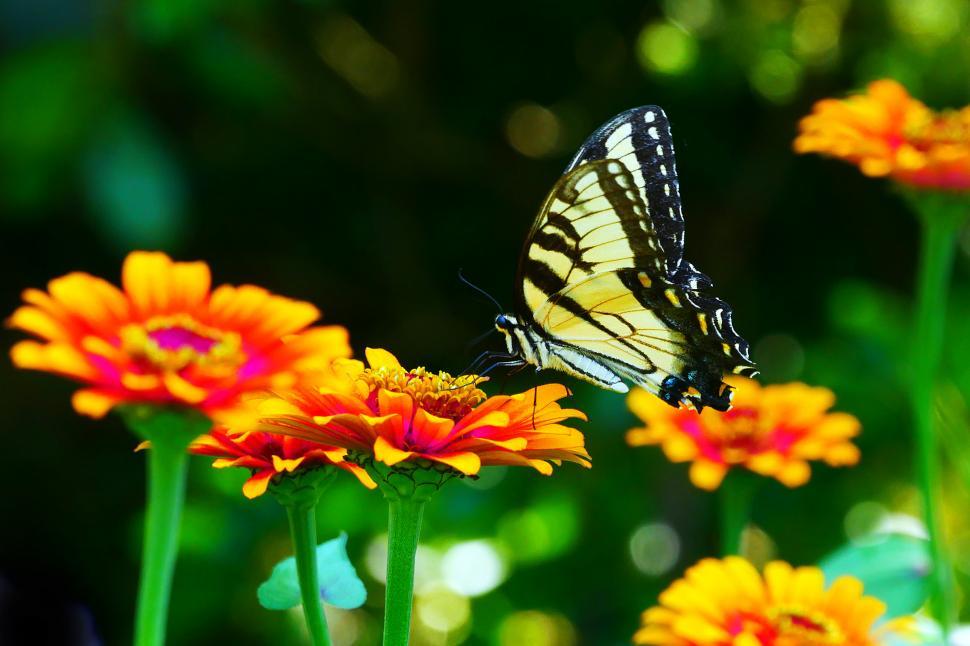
column 640, row 139
column 674, row 341
column 602, row 278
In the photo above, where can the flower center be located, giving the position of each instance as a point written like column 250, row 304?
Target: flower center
column 951, row 127
column 438, row 393
column 801, row 626
column 174, row 342
column 737, row 433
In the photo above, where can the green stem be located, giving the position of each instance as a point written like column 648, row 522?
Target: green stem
column 736, row 494
column 167, row 468
column 935, row 265
column 404, row 527
column 303, row 530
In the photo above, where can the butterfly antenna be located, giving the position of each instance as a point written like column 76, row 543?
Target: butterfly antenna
column 481, row 291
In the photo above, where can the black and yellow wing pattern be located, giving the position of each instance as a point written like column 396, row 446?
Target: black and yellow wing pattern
column 603, row 290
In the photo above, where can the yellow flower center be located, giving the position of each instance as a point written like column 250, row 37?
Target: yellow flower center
column 438, row 393
column 794, row 625
column 171, row 343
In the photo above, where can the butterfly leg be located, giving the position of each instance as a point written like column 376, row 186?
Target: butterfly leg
column 711, row 390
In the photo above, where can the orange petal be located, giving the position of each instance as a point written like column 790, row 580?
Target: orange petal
column 361, row 474
column 257, row 485
column 388, row 454
column 93, row 403
column 146, row 277
column 182, row 389
column 707, row 475
column 467, row 463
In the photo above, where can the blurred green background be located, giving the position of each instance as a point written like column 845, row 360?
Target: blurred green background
column 357, row 155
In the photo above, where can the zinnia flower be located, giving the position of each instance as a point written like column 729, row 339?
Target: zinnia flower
column 165, row 338
column 888, row 133
column 395, row 415
column 771, row 430
column 728, row 603
column 268, row 456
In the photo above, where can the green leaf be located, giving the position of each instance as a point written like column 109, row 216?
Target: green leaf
column 893, row 568
column 339, row 584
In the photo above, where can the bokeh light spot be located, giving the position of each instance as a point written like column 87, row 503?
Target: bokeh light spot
column 534, row 628
column 541, row 532
column 654, row 548
column 815, row 32
column 928, row 22
column 472, row 568
column 368, row 66
column 442, row 609
column 696, row 16
column 533, row 130
column 776, row 76
column 666, row 48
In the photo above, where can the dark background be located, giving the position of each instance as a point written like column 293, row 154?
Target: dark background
column 357, row 155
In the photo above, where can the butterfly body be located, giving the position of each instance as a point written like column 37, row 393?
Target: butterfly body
column 603, row 292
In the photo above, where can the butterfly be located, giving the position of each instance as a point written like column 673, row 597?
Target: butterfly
column 603, row 291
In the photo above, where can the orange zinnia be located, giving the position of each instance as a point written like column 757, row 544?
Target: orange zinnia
column 395, row 415
column 729, row 603
column 268, row 456
column 771, row 430
column 886, row 132
column 165, row 338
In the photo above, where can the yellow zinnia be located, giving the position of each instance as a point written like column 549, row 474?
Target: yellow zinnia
column 729, row 603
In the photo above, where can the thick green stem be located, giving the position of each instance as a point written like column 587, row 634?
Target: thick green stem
column 404, row 527
column 303, row 530
column 736, row 493
column 935, row 265
column 167, row 469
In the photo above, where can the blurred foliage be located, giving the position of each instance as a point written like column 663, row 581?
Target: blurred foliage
column 357, row 155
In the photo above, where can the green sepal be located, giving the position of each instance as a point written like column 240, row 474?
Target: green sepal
column 953, row 209
column 339, row 584
column 174, row 426
column 303, row 487
column 416, row 480
column 893, row 568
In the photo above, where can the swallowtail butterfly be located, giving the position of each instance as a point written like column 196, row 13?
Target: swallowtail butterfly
column 603, row 291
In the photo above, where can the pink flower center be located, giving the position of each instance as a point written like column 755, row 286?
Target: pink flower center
column 176, row 338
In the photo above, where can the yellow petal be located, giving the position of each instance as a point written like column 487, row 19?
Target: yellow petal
column 379, row 358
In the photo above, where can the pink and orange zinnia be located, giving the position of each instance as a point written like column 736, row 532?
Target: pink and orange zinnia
column 888, row 133
column 771, row 430
column 392, row 415
column 166, row 337
column 267, row 456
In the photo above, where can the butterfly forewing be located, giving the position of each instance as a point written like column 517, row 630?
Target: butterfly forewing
column 640, row 139
column 602, row 280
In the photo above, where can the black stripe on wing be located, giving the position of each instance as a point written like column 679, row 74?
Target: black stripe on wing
column 558, row 232
column 641, row 139
column 705, row 321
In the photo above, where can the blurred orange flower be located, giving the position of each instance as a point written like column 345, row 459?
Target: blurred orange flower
column 729, row 603
column 771, row 430
column 398, row 415
column 166, row 338
column 268, row 456
column 886, row 132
